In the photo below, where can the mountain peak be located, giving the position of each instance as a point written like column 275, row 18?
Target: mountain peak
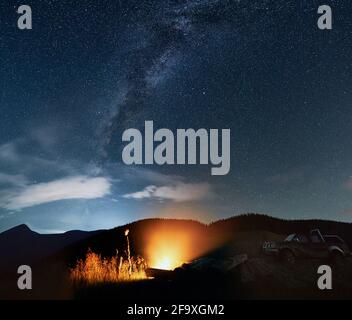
column 20, row 229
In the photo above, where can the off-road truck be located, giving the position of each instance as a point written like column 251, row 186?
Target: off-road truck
column 312, row 245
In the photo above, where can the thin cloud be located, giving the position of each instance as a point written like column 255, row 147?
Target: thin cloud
column 347, row 212
column 12, row 179
column 8, row 152
column 75, row 187
column 180, row 192
column 348, row 184
column 292, row 176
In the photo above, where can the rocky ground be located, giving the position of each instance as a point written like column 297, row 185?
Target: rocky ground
column 268, row 278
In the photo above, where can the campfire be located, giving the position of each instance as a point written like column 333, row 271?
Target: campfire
column 168, row 248
column 165, row 247
column 166, row 258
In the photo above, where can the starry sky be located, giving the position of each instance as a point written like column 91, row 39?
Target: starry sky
column 88, row 70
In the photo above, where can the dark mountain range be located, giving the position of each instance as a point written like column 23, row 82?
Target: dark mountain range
column 198, row 238
column 21, row 245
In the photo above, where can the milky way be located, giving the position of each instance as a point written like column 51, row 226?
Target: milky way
column 91, row 69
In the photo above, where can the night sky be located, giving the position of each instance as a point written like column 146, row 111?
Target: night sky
column 88, row 70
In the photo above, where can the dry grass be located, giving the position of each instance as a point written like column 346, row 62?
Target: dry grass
column 95, row 269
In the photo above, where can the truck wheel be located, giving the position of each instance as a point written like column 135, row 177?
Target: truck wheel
column 287, row 256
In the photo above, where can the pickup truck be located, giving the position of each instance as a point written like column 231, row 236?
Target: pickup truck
column 311, row 245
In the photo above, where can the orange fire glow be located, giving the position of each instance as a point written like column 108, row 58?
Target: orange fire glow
column 165, row 263
column 168, row 247
column 166, row 255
